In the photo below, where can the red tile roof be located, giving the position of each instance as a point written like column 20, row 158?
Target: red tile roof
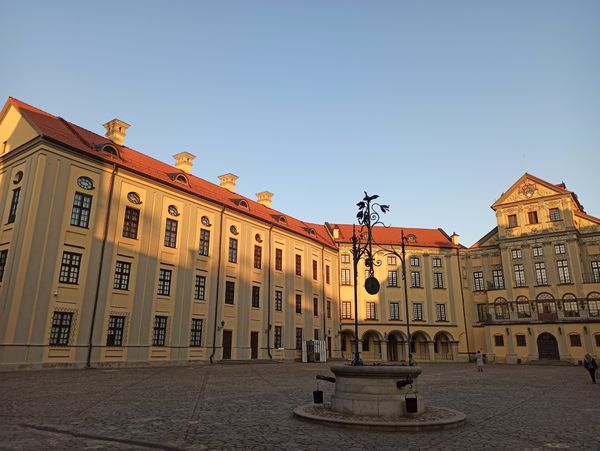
column 56, row 129
column 391, row 236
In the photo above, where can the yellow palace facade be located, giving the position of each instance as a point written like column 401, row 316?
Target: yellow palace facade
column 110, row 257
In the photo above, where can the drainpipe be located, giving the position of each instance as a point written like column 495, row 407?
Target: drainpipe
column 324, row 310
column 214, row 348
column 269, row 296
column 88, row 362
column 462, row 294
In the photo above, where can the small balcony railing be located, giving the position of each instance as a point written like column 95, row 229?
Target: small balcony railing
column 542, row 311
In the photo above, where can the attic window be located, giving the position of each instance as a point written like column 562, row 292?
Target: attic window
column 282, row 220
column 411, row 238
column 311, row 231
column 110, row 149
column 243, row 203
column 181, row 179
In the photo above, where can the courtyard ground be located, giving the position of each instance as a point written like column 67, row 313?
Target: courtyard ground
column 249, row 406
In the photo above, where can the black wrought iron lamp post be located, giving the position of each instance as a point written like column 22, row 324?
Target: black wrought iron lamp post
column 369, row 216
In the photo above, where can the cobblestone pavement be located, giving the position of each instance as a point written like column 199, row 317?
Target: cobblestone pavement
column 249, row 406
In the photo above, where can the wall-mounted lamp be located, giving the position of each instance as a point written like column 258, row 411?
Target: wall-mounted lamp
column 585, row 330
column 55, row 293
column 529, row 330
column 560, row 330
column 507, row 331
column 582, row 303
column 221, row 326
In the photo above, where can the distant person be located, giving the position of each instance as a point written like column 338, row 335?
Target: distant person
column 590, row 365
column 479, row 361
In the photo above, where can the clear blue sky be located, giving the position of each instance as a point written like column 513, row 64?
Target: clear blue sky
column 437, row 106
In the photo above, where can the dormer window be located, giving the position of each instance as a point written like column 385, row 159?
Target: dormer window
column 243, row 203
column 110, row 149
column 312, row 232
column 411, row 238
column 181, row 179
column 282, row 219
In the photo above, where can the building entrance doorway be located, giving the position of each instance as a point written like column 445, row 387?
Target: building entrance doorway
column 226, row 345
column 392, row 349
column 547, row 347
column 254, row 345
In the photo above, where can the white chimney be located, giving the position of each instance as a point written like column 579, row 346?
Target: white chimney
column 264, row 198
column 336, row 233
column 454, row 238
column 115, row 131
column 183, row 161
column 228, row 181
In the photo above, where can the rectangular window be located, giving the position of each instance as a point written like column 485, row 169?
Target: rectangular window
column 498, row 277
column 371, row 313
column 559, row 249
column 519, row 276
column 316, row 334
column 415, row 279
column 516, row 253
column 80, row 214
column 345, row 277
column 436, row 262
column 3, row 257
column 298, row 303
column 532, row 217
column 69, row 269
column 299, row 338
column 278, row 260
column 346, row 310
column 538, row 251
column 575, row 340
column 257, row 257
column 394, row 310
column 315, row 270
column 521, row 340
column 159, row 333
column 61, row 329
column 540, row 273
column 392, row 278
column 328, row 308
column 171, row 233
column 278, row 300
column 199, row 288
column 114, row 335
column 204, row 242
column 131, row 222
column 327, row 274
column 229, row 292
column 595, row 271
column 391, row 260
column 122, row 272
column 414, row 261
column 440, row 312
column 12, row 214
column 277, row 338
column 255, row 296
column 196, row 333
column 315, row 306
column 563, row 272
column 512, row 221
column 164, row 282
column 478, row 281
column 498, row 340
column 554, row 214
column 345, row 258
column 298, row 265
column 418, row 311
column 482, row 313
column 597, row 336
column 233, row 250
column 438, row 280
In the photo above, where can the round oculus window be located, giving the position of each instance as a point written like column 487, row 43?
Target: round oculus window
column 233, row 229
column 85, row 183
column 258, row 238
column 205, row 221
column 18, row 177
column 134, row 198
column 173, row 210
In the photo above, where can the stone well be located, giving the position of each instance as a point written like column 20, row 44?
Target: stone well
column 375, row 390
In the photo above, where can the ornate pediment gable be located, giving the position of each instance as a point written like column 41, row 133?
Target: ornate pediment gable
column 489, row 239
column 529, row 187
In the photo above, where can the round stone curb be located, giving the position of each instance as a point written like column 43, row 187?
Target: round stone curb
column 434, row 418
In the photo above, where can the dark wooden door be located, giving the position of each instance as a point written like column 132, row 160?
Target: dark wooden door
column 329, row 347
column 548, row 347
column 226, row 344
column 254, row 345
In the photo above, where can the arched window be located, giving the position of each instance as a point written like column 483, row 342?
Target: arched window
column 593, row 301
column 181, row 179
column 501, row 308
column 546, row 306
column 523, row 307
column 569, row 304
